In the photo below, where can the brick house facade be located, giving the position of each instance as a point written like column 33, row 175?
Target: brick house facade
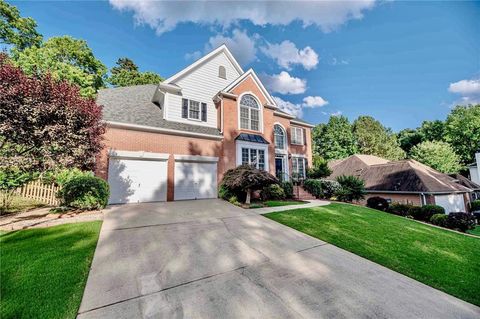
column 176, row 140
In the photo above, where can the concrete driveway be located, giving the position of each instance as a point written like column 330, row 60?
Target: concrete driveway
column 210, row 259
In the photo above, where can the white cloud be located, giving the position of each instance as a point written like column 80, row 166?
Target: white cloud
column 193, row 56
column 289, row 107
column 283, row 83
column 286, row 54
column 242, row 46
column 336, row 61
column 314, row 101
column 164, row 16
column 468, row 89
column 337, row 113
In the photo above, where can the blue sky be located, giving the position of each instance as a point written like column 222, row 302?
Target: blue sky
column 400, row 62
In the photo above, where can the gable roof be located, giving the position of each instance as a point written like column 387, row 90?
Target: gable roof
column 221, row 49
column 133, row 105
column 407, row 176
column 256, row 79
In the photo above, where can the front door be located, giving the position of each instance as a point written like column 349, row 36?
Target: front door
column 280, row 167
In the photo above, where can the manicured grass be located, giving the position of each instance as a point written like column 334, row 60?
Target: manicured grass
column 276, row 203
column 439, row 258
column 44, row 271
column 475, row 231
column 21, row 204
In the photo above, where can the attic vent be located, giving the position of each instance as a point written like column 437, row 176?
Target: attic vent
column 222, row 73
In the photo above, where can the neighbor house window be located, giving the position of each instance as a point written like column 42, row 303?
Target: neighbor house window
column 194, row 110
column 297, row 135
column 249, row 113
column 254, row 157
column 279, row 137
column 222, row 73
column 298, row 165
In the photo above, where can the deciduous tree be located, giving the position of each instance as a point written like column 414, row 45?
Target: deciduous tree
column 335, row 139
column 126, row 73
column 438, row 155
column 19, row 32
column 65, row 58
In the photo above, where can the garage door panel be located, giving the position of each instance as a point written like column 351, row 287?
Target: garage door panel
column 134, row 181
column 195, row 180
column 451, row 203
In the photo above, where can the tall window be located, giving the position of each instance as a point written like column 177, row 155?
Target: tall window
column 297, row 135
column 298, row 165
column 249, row 113
column 279, row 137
column 194, row 110
column 254, row 157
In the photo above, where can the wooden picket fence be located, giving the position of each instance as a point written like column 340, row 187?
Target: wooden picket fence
column 37, row 190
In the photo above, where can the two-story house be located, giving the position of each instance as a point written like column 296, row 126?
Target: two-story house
column 175, row 140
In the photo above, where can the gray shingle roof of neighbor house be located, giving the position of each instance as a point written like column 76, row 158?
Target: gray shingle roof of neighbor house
column 133, row 105
column 407, row 176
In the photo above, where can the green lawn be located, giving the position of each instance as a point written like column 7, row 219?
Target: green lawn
column 475, row 231
column 436, row 257
column 276, row 203
column 44, row 271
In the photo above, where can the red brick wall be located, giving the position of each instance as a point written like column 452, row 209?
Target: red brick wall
column 412, row 199
column 129, row 140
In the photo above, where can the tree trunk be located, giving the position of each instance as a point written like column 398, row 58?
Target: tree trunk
column 249, row 194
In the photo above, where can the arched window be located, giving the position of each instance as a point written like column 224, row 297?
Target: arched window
column 279, row 137
column 222, row 72
column 249, row 113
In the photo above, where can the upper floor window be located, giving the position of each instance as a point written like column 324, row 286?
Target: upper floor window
column 194, row 110
column 222, row 72
column 249, row 113
column 279, row 137
column 297, row 136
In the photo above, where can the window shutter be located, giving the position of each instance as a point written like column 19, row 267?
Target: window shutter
column 184, row 108
column 204, row 112
column 304, row 132
column 292, row 133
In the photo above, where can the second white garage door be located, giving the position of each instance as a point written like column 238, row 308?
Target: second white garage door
column 195, row 177
column 451, row 203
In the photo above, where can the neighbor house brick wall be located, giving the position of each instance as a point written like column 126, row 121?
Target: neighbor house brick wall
column 130, row 140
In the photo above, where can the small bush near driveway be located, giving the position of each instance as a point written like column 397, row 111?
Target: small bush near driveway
column 439, row 220
column 377, row 202
column 85, row 192
column 273, row 191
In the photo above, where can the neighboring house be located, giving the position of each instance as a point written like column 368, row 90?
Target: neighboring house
column 406, row 181
column 475, row 169
column 175, row 140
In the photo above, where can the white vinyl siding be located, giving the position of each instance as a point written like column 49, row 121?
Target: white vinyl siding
column 201, row 84
column 297, row 136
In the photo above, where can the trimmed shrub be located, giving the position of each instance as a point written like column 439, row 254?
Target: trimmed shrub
column 273, row 191
column 439, row 220
column 224, row 192
column 287, row 189
column 60, row 177
column 475, row 205
column 351, row 188
column 429, row 210
column 377, row 202
column 416, row 213
column 461, row 221
column 329, row 188
column 314, row 187
column 399, row 209
column 85, row 193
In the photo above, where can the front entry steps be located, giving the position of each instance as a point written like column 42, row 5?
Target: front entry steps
column 300, row 193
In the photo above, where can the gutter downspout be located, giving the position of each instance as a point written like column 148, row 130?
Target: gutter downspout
column 423, row 199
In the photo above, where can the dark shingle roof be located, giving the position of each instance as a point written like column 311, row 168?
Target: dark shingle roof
column 251, row 138
column 397, row 176
column 133, row 105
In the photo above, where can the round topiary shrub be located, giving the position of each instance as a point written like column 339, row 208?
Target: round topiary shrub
column 85, row 193
column 377, row 202
column 399, row 209
column 273, row 191
column 439, row 220
column 429, row 210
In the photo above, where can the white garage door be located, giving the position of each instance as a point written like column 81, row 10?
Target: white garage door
column 451, row 203
column 136, row 177
column 195, row 177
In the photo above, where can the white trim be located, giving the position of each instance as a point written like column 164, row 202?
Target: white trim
column 199, row 110
column 228, row 95
column 161, row 130
column 285, row 115
column 286, row 169
column 166, row 87
column 221, row 116
column 260, row 113
column 165, row 103
column 245, row 144
column 195, row 158
column 223, row 48
column 252, row 73
column 302, row 123
column 284, row 150
column 138, row 155
column 299, row 155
